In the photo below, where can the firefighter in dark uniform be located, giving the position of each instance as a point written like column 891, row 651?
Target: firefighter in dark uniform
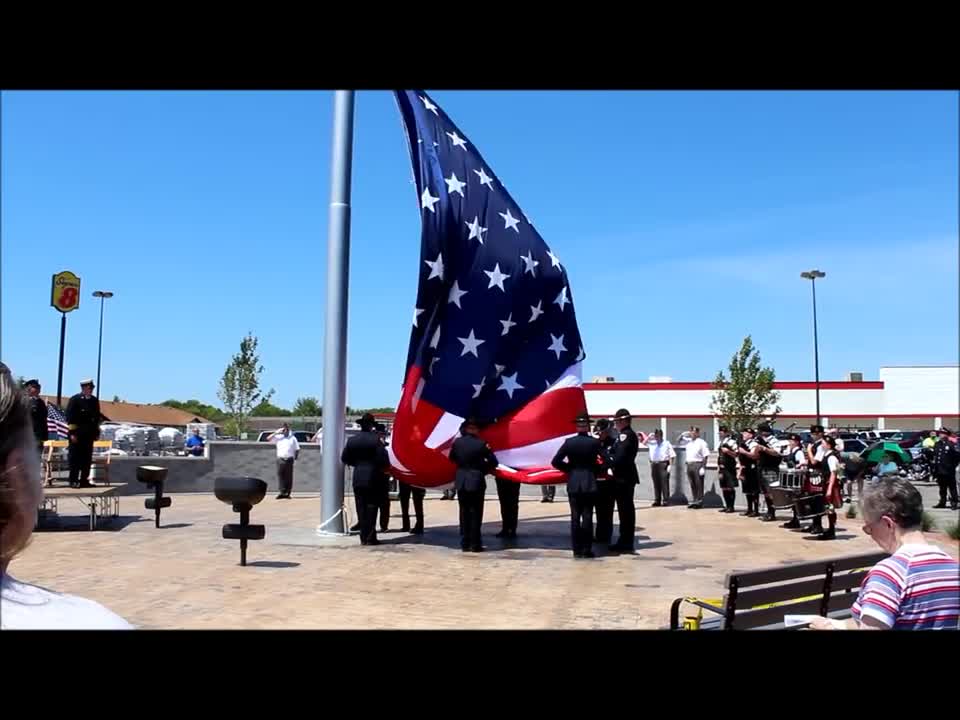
column 604, row 497
column 83, row 423
column 769, row 468
column 366, row 453
column 474, row 460
column 508, row 493
column 381, row 431
column 749, row 457
column 38, row 413
column 623, row 457
column 580, row 457
column 946, row 457
column 728, row 450
column 418, row 493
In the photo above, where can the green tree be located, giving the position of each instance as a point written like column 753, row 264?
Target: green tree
column 199, row 409
column 307, row 407
column 747, row 395
column 267, row 409
column 240, row 389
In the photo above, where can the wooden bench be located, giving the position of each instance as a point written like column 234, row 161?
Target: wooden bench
column 759, row 599
column 56, row 461
column 100, row 501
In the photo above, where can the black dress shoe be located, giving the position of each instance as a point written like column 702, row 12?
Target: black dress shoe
column 85, row 484
column 940, row 506
column 791, row 525
column 588, row 554
column 373, row 542
column 477, row 548
column 281, row 496
column 656, row 503
column 405, row 527
column 769, row 518
column 830, row 534
column 543, row 500
column 355, row 528
column 417, row 530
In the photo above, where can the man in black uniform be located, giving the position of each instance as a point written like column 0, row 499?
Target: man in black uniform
column 474, row 459
column 83, row 422
column 508, row 493
column 727, row 460
column 381, row 431
column 418, row 494
column 366, row 453
column 38, row 413
column 769, row 468
column 604, row 498
column 580, row 458
column 625, row 478
column 946, row 457
column 749, row 457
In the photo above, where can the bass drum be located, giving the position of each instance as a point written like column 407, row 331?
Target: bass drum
column 811, row 506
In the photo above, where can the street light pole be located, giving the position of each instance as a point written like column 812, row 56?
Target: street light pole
column 812, row 276
column 103, row 295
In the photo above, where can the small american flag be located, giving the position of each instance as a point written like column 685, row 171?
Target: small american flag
column 56, row 422
column 494, row 331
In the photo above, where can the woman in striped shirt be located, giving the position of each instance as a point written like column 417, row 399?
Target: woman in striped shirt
column 918, row 586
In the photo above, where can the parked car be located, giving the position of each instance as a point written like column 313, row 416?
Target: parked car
column 854, row 445
column 302, row 436
column 910, row 438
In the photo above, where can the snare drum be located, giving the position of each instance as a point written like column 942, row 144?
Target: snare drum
column 811, row 506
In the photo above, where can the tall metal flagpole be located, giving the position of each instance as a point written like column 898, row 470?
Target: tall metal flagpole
column 335, row 338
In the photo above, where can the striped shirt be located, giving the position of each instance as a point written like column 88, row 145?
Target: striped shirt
column 916, row 588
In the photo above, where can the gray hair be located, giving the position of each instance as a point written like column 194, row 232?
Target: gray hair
column 895, row 498
column 20, row 485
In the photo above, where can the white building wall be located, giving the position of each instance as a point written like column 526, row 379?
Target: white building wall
column 921, row 390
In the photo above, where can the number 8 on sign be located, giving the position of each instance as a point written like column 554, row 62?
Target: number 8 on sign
column 65, row 292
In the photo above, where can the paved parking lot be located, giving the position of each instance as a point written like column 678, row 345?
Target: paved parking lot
column 184, row 575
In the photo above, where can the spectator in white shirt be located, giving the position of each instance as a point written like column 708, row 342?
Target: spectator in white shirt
column 24, row 606
column 288, row 450
column 835, row 434
column 697, row 453
column 661, row 453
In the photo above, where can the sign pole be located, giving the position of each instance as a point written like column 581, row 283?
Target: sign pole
column 63, row 335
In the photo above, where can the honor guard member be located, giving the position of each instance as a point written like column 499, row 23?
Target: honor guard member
column 368, row 457
column 623, row 457
column 727, row 452
column 749, row 457
column 946, row 457
column 38, row 413
column 604, row 498
column 796, row 458
column 474, row 460
column 418, row 493
column 769, row 468
column 508, row 493
column 580, row 457
column 83, row 423
column 381, row 431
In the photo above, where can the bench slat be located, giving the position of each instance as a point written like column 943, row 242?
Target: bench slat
column 770, row 616
column 779, row 573
column 796, row 590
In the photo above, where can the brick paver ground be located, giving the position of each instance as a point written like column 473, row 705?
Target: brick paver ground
column 185, row 576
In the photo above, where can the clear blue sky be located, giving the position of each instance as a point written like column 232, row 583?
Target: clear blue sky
column 683, row 219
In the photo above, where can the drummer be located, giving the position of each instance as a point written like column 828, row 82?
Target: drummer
column 797, row 460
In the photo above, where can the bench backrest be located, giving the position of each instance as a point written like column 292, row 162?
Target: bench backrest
column 811, row 588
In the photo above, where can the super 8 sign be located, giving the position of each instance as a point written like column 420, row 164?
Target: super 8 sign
column 65, row 291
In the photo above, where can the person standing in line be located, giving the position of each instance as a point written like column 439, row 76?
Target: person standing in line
column 508, row 493
column 38, row 413
column 547, row 493
column 83, row 423
column 604, row 498
column 474, row 460
column 749, row 456
column 946, row 457
column 288, row 451
column 385, row 498
column 816, row 471
column 697, row 453
column 370, row 462
column 796, row 459
column 727, row 452
column 623, row 458
column 418, row 493
column 661, row 454
column 831, row 463
column 580, row 457
column 768, row 468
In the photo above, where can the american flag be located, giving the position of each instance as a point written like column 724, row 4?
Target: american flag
column 494, row 333
column 56, row 422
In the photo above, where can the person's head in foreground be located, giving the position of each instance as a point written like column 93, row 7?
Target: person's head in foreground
column 24, row 606
column 470, row 426
column 582, row 423
column 918, row 586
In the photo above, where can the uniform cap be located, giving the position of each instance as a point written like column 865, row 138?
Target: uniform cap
column 816, row 428
column 88, row 381
column 582, row 419
column 34, row 382
column 764, row 427
column 623, row 414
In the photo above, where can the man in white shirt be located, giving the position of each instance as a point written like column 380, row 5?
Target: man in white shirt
column 697, row 452
column 835, row 434
column 661, row 453
column 288, row 450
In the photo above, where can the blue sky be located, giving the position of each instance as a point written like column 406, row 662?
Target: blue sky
column 683, row 219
